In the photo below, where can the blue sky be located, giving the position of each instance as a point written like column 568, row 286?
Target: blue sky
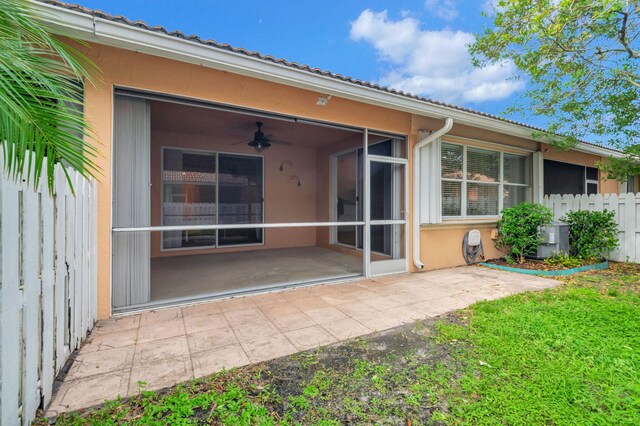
column 417, row 46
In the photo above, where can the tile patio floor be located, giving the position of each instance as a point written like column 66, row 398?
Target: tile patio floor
column 171, row 345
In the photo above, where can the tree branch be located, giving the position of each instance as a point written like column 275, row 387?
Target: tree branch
column 622, row 36
column 631, row 78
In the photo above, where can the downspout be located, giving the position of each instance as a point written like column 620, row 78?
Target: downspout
column 416, row 188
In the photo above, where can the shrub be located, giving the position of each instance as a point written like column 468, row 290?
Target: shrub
column 593, row 235
column 563, row 260
column 520, row 230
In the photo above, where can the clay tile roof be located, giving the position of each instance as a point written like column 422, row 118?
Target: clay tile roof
column 241, row 51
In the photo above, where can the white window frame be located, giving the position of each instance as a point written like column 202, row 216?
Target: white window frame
column 630, row 182
column 591, row 181
column 464, row 182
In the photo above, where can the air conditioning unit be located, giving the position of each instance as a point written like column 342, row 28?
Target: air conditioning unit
column 555, row 240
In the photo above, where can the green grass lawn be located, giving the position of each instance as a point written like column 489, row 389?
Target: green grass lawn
column 565, row 356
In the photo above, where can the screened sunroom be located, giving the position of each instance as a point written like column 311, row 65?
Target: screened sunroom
column 211, row 200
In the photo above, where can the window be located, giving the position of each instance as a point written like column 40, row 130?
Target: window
column 480, row 182
column 208, row 188
column 591, row 180
column 240, row 198
column 564, row 178
column 631, row 184
column 516, row 179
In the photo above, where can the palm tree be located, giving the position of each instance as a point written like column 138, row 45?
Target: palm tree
column 41, row 81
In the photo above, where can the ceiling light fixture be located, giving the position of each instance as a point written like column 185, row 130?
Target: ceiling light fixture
column 259, row 142
column 260, row 145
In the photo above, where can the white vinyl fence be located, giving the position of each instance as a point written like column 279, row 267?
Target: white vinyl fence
column 48, row 288
column 627, row 214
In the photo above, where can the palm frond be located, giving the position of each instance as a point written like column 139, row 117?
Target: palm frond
column 41, row 81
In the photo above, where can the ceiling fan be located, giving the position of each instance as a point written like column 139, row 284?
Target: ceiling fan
column 261, row 141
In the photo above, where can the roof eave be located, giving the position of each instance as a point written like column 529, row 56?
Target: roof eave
column 597, row 150
column 103, row 31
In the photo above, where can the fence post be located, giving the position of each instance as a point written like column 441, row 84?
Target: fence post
column 598, row 203
column 629, row 227
column 61, row 291
column 31, row 302
column 48, row 299
column 70, row 259
column 10, row 300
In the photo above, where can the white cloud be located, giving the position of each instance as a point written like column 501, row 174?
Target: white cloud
column 443, row 9
column 432, row 63
column 489, row 6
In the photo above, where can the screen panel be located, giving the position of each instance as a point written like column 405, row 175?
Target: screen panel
column 563, row 178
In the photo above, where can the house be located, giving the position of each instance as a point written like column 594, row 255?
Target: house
column 227, row 172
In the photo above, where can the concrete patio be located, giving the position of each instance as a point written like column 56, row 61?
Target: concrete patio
column 167, row 346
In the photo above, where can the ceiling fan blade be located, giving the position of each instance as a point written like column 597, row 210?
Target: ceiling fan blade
column 239, row 142
column 277, row 142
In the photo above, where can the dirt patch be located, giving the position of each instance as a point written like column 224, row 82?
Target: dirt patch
column 369, row 380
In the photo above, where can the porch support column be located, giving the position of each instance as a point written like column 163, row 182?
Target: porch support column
column 538, row 177
column 366, row 234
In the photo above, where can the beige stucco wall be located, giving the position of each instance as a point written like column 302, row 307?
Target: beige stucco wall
column 441, row 245
column 122, row 68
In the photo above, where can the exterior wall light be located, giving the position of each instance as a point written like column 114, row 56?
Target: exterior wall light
column 281, row 168
column 323, row 100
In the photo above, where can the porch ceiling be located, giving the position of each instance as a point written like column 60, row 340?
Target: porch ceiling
column 241, row 127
